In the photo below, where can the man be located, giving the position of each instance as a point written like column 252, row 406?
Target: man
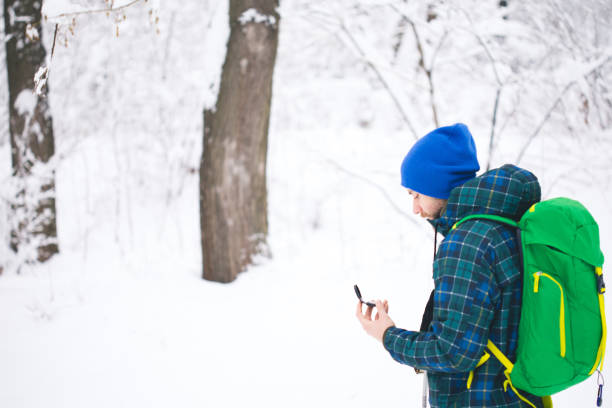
column 476, row 272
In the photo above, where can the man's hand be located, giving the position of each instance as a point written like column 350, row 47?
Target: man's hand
column 375, row 327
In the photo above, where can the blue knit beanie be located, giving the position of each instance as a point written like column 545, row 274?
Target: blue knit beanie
column 440, row 161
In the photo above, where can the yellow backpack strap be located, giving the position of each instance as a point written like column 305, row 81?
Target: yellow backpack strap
column 508, row 382
column 547, row 401
column 601, row 288
column 482, row 360
column 500, row 356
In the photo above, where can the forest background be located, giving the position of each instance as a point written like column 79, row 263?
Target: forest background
column 122, row 317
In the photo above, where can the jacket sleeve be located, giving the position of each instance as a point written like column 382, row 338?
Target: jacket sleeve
column 464, row 305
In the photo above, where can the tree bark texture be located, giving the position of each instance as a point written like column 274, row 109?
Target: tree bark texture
column 32, row 215
column 233, row 191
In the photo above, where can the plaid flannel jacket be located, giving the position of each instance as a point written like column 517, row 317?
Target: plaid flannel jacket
column 477, row 295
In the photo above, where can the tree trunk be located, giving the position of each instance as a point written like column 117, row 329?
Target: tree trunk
column 233, row 193
column 32, row 215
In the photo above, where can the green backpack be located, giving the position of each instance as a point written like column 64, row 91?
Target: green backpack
column 562, row 331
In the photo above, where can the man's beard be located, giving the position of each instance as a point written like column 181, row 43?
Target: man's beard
column 434, row 216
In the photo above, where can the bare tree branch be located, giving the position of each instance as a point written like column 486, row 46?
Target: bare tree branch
column 555, row 104
column 428, row 72
column 376, row 186
column 500, row 86
column 399, row 38
column 436, row 51
column 493, row 122
column 381, row 78
column 488, row 52
column 105, row 10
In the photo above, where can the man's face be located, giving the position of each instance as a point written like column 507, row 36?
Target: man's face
column 425, row 206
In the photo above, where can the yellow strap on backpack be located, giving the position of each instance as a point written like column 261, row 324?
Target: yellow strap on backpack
column 500, row 356
column 482, row 360
column 604, row 331
column 546, row 401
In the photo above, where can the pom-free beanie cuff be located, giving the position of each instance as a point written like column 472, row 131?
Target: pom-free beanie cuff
column 440, row 161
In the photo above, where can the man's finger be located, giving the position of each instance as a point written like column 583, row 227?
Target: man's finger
column 368, row 313
column 360, row 316
column 380, row 307
column 363, row 318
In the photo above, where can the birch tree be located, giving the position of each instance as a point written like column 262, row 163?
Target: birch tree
column 233, row 192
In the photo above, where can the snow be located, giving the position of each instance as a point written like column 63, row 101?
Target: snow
column 32, row 33
column 40, row 79
column 122, row 318
column 253, row 15
column 25, row 103
column 54, row 8
column 14, row 18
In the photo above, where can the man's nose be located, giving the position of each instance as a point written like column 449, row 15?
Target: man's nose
column 416, row 209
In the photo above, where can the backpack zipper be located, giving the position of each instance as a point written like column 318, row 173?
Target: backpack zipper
column 536, row 282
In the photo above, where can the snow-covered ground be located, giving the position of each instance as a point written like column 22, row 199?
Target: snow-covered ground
column 121, row 318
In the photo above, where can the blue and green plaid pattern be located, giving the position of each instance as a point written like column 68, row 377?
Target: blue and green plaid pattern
column 478, row 286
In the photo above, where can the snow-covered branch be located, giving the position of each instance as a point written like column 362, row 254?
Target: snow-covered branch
column 381, row 78
column 106, row 10
column 374, row 185
column 594, row 67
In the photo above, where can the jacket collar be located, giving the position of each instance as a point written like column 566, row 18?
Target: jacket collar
column 507, row 191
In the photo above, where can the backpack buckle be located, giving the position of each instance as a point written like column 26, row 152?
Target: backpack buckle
column 601, row 286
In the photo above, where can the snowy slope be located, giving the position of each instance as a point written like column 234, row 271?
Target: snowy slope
column 121, row 316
